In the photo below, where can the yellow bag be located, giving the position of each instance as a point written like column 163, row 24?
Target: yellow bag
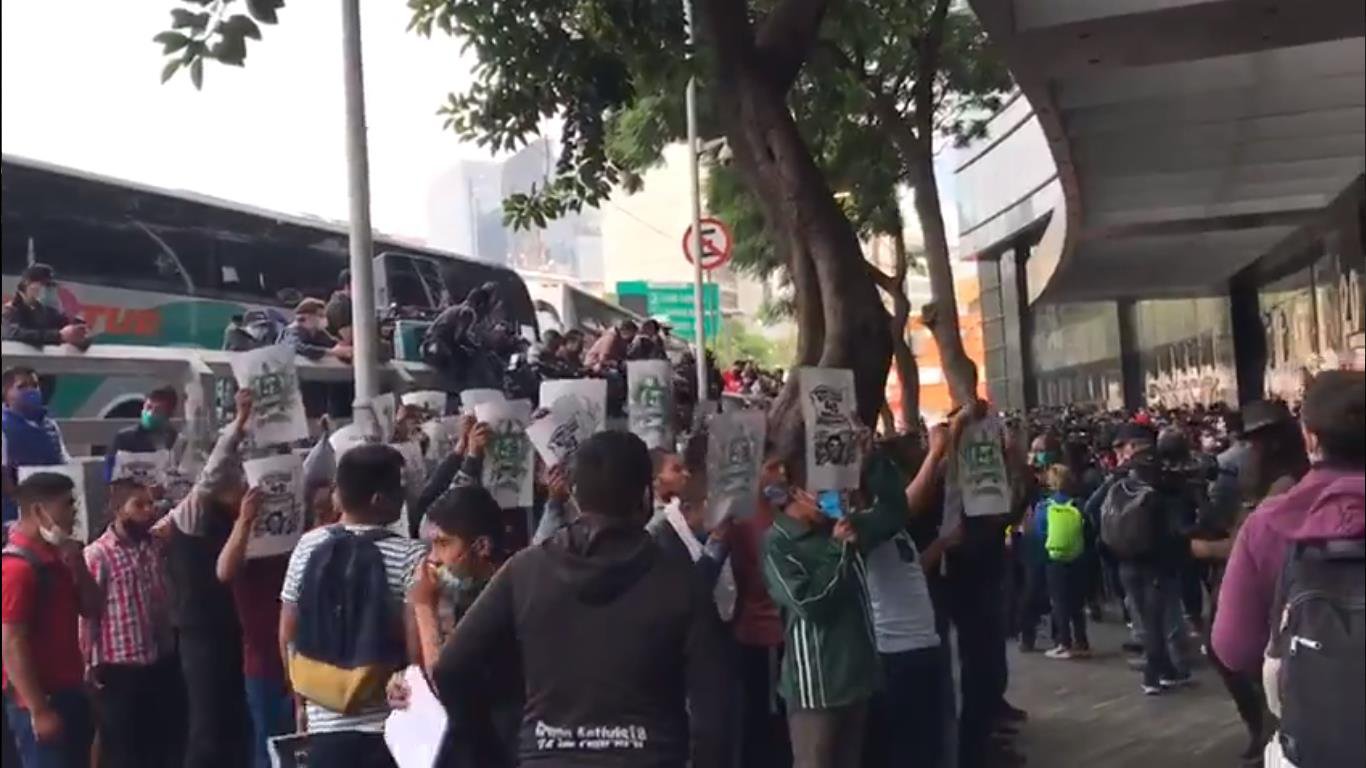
column 347, row 691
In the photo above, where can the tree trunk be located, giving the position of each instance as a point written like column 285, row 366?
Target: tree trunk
column 907, row 369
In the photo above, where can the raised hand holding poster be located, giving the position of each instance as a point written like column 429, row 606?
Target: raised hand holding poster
column 981, row 469
column 280, row 521
column 509, row 464
column 829, row 411
column 735, row 452
column 649, row 406
column 563, row 428
column 277, row 411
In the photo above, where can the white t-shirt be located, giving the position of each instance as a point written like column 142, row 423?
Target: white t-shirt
column 401, row 559
column 903, row 616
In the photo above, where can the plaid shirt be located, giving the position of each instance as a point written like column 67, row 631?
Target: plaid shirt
column 135, row 625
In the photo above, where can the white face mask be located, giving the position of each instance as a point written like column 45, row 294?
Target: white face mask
column 52, row 534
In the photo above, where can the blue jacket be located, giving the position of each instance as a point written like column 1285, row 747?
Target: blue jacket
column 29, row 444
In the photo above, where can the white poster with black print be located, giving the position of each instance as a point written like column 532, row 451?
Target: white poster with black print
column 980, row 468
column 280, row 521
column 145, row 468
column 559, row 432
column 735, row 452
column 509, row 464
column 277, row 409
column 431, row 402
column 587, row 395
column 830, row 413
column 443, row 435
column 650, row 387
column 348, row 437
column 82, row 529
column 472, row 398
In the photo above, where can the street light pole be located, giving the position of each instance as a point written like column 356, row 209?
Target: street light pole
column 694, row 174
column 365, row 323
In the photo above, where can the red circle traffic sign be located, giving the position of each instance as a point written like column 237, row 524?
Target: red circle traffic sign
column 717, row 243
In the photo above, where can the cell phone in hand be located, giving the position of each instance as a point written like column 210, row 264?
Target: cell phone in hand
column 831, row 504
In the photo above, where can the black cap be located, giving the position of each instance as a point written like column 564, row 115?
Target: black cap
column 1134, row 433
column 37, row 273
column 1260, row 414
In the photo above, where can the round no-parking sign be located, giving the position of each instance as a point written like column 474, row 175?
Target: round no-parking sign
column 716, row 243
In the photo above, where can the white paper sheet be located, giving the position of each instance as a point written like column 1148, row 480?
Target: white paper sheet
column 650, row 401
column 433, row 401
column 830, row 413
column 147, row 468
column 414, row 733
column 281, row 520
column 735, row 452
column 589, row 395
column 509, row 464
column 981, row 469
column 81, row 531
column 277, row 412
column 560, row 432
column 470, row 398
column 349, row 437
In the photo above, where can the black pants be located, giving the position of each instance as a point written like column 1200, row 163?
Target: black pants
column 1032, row 601
column 906, row 718
column 139, row 713
column 1067, row 599
column 219, row 732
column 975, row 605
column 1245, row 689
column 353, row 749
column 764, row 739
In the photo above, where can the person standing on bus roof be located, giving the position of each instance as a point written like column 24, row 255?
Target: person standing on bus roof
column 31, row 438
column 338, row 311
column 153, row 432
column 34, row 315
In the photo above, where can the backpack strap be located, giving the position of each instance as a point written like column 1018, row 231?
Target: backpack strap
column 30, row 557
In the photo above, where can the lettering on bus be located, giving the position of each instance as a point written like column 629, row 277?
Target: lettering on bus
column 104, row 319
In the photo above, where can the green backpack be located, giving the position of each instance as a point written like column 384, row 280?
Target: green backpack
column 1066, row 532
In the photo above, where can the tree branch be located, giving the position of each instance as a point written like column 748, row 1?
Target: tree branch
column 923, row 92
column 786, row 36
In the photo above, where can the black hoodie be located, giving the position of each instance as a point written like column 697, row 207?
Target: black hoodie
column 618, row 643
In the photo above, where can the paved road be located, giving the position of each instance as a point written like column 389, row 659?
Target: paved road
column 1091, row 714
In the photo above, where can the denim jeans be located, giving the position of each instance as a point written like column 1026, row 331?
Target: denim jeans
column 1067, row 601
column 72, row 750
column 906, row 718
column 1154, row 592
column 1173, row 622
column 272, row 714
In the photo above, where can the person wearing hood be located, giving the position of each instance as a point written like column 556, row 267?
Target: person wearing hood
column 31, row 438
column 623, row 656
column 1327, row 504
column 153, row 432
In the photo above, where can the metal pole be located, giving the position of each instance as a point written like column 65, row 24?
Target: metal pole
column 700, row 326
column 365, row 324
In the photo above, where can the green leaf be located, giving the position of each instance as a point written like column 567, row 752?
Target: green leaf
column 170, row 69
column 243, row 27
column 171, row 41
column 197, row 73
column 183, row 19
column 230, row 49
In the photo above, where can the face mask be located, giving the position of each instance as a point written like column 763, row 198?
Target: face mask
column 31, row 403
column 777, row 495
column 152, row 421
column 831, row 505
column 52, row 534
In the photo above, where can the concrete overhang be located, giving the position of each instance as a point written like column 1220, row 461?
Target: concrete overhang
column 1189, row 138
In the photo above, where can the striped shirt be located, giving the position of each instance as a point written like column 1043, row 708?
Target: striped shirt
column 401, row 559
column 134, row 627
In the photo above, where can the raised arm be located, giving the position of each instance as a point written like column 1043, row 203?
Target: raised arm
column 234, row 552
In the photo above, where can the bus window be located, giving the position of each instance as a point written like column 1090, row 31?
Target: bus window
column 405, row 286
column 117, row 254
column 266, row 270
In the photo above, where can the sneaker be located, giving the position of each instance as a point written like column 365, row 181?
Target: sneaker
column 1151, row 690
column 1060, row 652
column 1175, row 681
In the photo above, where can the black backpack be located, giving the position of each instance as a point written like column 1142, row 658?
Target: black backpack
column 347, row 641
column 1319, row 635
column 1128, row 518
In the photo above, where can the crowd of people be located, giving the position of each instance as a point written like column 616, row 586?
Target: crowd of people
column 612, row 624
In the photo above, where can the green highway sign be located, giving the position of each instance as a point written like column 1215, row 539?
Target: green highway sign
column 675, row 302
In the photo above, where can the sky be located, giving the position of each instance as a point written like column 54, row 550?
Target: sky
column 87, row 95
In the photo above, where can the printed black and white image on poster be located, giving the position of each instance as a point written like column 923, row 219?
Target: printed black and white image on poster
column 82, row 529
column 443, row 434
column 281, row 520
column 377, row 418
column 509, row 464
column 735, row 453
column 277, row 410
column 980, row 468
column 589, row 395
column 431, row 402
column 562, row 429
column 146, row 468
column 650, row 401
column 349, row 437
column 830, row 413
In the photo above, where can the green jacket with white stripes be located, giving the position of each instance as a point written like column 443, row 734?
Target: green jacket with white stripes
column 821, row 587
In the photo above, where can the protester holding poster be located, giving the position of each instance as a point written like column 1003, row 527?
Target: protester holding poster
column 829, row 411
column 269, row 374
column 509, row 464
column 585, row 395
column 735, row 450
column 464, row 466
column 152, row 433
column 650, row 401
column 202, row 607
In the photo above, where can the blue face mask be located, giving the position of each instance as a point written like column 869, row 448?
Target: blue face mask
column 31, row 403
column 831, row 504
